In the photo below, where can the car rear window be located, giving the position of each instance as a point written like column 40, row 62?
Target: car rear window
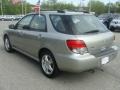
column 77, row 24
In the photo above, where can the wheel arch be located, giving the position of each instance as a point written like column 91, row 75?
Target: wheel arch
column 43, row 50
column 5, row 35
column 46, row 49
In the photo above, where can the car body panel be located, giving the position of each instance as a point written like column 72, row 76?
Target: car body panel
column 78, row 63
column 115, row 23
column 107, row 18
column 96, row 42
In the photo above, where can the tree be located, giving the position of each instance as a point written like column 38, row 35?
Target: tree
column 53, row 1
column 58, row 6
column 114, row 7
column 9, row 8
column 97, row 7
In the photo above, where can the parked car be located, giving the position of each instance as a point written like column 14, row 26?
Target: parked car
column 18, row 17
column 62, row 41
column 7, row 18
column 107, row 18
column 10, row 17
column 2, row 17
column 115, row 24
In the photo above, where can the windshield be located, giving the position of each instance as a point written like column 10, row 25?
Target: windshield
column 77, row 24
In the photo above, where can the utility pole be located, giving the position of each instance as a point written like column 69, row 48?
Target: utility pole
column 25, row 7
column 90, row 5
column 22, row 6
column 83, row 4
column 109, row 7
column 80, row 5
column 39, row 3
column 1, row 7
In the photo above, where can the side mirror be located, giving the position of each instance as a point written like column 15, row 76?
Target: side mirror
column 26, row 27
column 12, row 26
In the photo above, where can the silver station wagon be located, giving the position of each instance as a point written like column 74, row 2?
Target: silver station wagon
column 62, row 41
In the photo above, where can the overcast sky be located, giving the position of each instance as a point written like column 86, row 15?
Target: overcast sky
column 76, row 2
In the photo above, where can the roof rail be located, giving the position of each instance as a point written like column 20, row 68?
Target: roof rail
column 84, row 11
column 60, row 11
column 46, row 10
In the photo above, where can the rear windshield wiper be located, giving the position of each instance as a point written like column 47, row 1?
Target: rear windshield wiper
column 93, row 31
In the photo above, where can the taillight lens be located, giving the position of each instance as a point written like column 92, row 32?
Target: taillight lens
column 77, row 46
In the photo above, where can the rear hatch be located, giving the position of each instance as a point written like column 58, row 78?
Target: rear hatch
column 85, row 27
column 97, row 42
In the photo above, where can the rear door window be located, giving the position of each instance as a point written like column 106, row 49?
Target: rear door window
column 61, row 23
column 38, row 23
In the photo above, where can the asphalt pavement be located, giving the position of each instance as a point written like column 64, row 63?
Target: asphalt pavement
column 18, row 72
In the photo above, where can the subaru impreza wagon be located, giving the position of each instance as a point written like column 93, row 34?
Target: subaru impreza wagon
column 62, row 41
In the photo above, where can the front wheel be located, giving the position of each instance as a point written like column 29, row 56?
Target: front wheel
column 48, row 64
column 112, row 28
column 7, row 44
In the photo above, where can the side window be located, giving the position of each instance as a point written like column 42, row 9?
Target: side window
column 62, row 23
column 58, row 23
column 38, row 23
column 25, row 21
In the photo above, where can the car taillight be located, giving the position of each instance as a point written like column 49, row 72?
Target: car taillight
column 77, row 46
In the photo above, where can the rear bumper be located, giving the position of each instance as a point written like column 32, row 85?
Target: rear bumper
column 79, row 63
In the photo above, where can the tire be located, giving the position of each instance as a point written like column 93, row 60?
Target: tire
column 7, row 44
column 48, row 64
column 112, row 28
